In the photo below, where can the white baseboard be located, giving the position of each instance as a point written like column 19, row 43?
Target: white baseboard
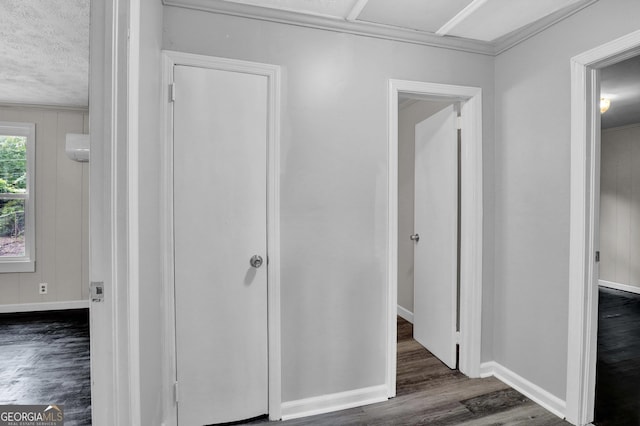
column 333, row 402
column 44, row 306
column 405, row 313
column 532, row 391
column 618, row 286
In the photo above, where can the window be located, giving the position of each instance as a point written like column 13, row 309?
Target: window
column 17, row 223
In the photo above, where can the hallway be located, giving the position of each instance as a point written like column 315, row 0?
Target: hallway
column 429, row 393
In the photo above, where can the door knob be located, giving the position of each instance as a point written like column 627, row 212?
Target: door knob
column 256, row 261
column 415, row 237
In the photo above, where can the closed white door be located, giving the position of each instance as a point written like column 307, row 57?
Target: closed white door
column 219, row 152
column 436, row 223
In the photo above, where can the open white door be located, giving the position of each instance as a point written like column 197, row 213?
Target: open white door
column 220, row 244
column 436, row 223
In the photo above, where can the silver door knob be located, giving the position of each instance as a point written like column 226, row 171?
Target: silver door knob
column 415, row 237
column 256, row 261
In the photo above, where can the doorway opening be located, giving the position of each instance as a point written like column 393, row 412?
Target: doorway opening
column 584, row 256
column 428, row 270
column 45, row 354
column 469, row 254
column 618, row 345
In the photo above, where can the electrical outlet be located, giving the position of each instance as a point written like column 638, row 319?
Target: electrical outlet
column 42, row 288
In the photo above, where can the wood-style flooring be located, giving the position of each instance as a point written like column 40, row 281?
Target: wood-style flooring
column 429, row 393
column 44, row 359
column 618, row 365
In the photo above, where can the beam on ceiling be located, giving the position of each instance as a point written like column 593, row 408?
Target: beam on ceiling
column 461, row 16
column 361, row 28
column 387, row 32
column 357, row 10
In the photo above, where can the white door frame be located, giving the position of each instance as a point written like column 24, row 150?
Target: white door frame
column 585, row 173
column 113, row 250
column 272, row 72
column 470, row 222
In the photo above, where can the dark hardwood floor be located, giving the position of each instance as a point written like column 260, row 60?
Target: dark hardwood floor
column 429, row 393
column 618, row 365
column 44, row 359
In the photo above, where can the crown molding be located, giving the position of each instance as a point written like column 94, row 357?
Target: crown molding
column 507, row 41
column 334, row 24
column 387, row 32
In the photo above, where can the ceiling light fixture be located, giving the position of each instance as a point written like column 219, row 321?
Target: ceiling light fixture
column 604, row 105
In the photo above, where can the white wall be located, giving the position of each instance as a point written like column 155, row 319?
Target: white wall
column 334, row 182
column 620, row 206
column 408, row 117
column 61, row 212
column 532, row 158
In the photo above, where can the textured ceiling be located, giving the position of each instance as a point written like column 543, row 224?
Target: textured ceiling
column 45, row 43
column 621, row 83
column 45, row 52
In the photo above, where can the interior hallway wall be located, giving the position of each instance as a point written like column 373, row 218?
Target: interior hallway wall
column 151, row 264
column 408, row 117
column 62, row 194
column 532, row 165
column 334, row 182
column 620, row 206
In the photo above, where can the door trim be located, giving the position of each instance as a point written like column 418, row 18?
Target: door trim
column 585, row 173
column 470, row 222
column 272, row 72
column 113, row 224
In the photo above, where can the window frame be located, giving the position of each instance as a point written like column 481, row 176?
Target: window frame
column 25, row 263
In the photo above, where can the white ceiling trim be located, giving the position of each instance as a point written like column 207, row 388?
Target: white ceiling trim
column 387, row 32
column 506, row 42
column 357, row 10
column 461, row 16
column 338, row 25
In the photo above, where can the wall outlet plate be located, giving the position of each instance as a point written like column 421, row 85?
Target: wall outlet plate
column 42, row 288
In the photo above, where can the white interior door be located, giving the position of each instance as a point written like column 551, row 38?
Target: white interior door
column 220, row 148
column 436, row 223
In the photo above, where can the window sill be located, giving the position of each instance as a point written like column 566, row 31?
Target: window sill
column 17, row 265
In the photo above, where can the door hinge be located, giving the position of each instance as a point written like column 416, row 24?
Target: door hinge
column 597, row 256
column 457, row 337
column 459, row 122
column 172, row 92
column 175, row 392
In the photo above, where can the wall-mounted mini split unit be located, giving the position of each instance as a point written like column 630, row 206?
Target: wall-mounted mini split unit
column 77, row 147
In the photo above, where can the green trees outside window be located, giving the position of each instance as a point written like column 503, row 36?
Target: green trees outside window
column 13, row 180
